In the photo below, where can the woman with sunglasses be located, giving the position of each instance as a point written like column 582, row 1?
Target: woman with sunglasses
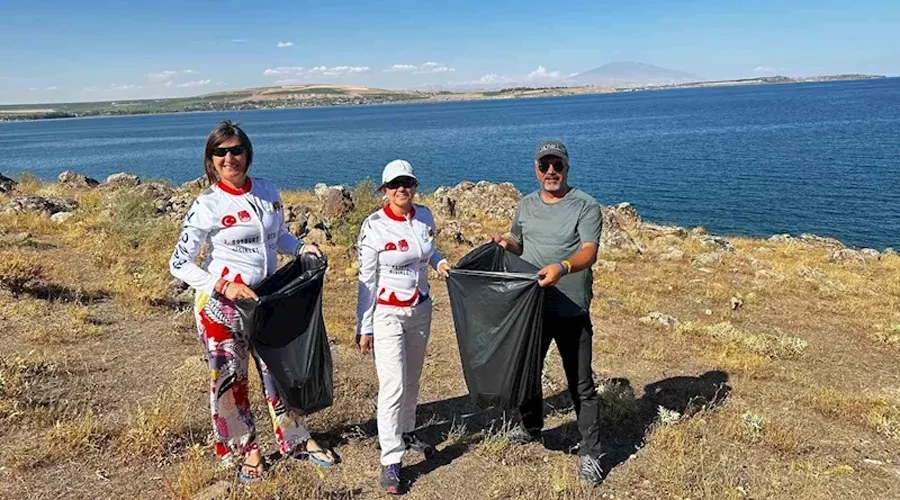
column 242, row 220
column 396, row 248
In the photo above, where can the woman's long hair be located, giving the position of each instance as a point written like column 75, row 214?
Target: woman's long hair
column 224, row 131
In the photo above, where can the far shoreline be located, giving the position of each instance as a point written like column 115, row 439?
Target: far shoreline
column 547, row 93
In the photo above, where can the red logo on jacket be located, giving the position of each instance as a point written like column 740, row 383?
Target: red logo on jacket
column 390, row 246
column 228, row 220
column 404, row 246
column 244, row 215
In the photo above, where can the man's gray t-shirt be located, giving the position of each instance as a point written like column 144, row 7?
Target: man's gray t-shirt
column 550, row 233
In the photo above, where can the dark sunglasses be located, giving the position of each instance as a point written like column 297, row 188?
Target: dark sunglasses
column 407, row 182
column 234, row 150
column 557, row 165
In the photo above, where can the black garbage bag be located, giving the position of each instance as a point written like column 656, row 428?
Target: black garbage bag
column 498, row 311
column 287, row 330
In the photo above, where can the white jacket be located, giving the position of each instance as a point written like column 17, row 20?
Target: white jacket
column 394, row 255
column 245, row 229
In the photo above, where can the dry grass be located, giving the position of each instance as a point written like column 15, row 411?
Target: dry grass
column 770, row 345
column 73, row 437
column 18, row 271
column 879, row 411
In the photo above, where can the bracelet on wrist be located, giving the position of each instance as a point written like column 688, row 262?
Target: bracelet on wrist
column 562, row 267
column 568, row 266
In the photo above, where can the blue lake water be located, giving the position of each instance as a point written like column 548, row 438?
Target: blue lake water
column 819, row 157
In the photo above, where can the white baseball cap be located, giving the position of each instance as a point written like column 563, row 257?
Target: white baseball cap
column 395, row 169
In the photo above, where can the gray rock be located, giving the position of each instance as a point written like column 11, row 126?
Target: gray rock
column 657, row 318
column 75, row 180
column 819, row 241
column 613, row 236
column 706, row 259
column 782, row 238
column 626, row 214
column 122, row 180
column 48, row 205
column 672, row 254
column 318, row 236
column 60, row 217
column 7, row 184
column 336, row 201
column 199, row 183
column 850, row 255
column 657, row 230
column 470, row 200
column 717, row 243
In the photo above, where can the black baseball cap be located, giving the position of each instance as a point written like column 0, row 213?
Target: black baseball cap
column 551, row 148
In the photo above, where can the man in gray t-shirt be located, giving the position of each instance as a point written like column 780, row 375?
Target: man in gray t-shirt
column 557, row 228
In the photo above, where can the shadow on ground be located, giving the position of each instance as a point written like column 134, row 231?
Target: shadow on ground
column 625, row 420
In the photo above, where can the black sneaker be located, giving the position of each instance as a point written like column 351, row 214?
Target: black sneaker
column 415, row 444
column 520, row 435
column 390, row 479
column 589, row 470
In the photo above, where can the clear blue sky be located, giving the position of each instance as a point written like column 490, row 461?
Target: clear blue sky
column 52, row 51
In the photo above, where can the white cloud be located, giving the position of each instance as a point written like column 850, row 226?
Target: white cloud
column 541, row 73
column 491, row 78
column 162, row 75
column 764, row 69
column 239, row 40
column 52, row 87
column 168, row 74
column 295, row 74
column 35, row 89
column 284, row 45
column 196, row 83
column 219, row 84
column 429, row 67
column 401, row 68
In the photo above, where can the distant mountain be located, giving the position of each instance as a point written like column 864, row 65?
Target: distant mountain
column 632, row 74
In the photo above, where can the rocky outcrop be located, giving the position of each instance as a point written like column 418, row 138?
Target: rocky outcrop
column 74, row 180
column 7, row 184
column 199, row 183
column 850, row 255
column 613, row 235
column 297, row 217
column 45, row 204
column 470, row 200
column 122, row 180
column 335, row 201
column 807, row 239
column 716, row 243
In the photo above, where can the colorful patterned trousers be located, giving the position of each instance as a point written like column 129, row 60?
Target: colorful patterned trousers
column 228, row 355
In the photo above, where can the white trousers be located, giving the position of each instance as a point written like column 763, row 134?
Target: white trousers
column 401, row 335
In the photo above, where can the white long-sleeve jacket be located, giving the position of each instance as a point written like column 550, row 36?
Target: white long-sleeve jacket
column 394, row 255
column 245, row 229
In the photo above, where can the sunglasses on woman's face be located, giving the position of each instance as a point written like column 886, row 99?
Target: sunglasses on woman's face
column 407, row 182
column 557, row 165
column 234, row 150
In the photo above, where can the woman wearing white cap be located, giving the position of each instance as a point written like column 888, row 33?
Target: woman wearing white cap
column 396, row 247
